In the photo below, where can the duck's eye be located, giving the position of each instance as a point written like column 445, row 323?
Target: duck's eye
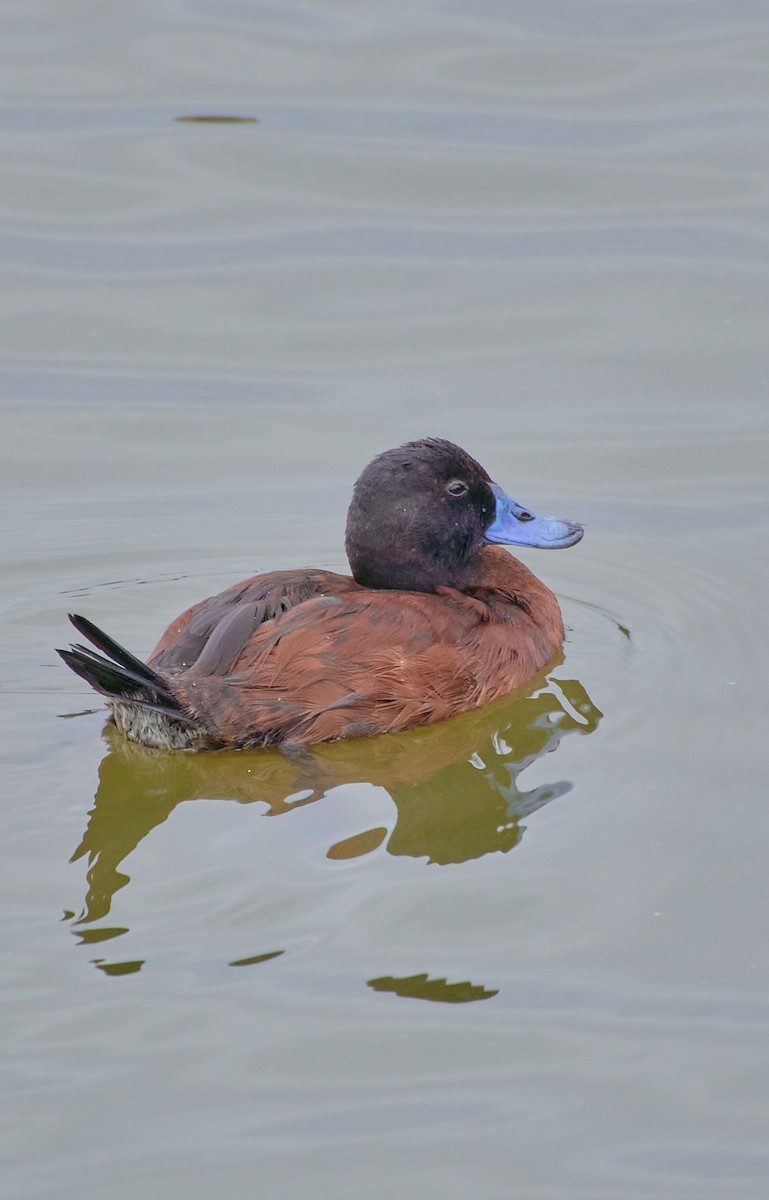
column 457, row 487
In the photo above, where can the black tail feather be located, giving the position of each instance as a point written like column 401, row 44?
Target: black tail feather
column 125, row 677
column 131, row 679
column 102, row 641
column 102, row 675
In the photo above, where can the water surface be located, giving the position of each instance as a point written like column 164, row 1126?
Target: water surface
column 521, row 953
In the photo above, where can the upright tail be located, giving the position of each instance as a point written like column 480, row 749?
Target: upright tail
column 120, row 676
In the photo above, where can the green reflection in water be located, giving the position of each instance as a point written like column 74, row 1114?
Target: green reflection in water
column 256, row 958
column 89, row 937
column 455, row 785
column 119, row 968
column 359, row 845
column 419, row 987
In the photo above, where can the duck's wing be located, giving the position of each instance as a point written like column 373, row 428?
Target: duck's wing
column 212, row 634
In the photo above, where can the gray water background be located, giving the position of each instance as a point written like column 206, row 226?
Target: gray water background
column 537, row 229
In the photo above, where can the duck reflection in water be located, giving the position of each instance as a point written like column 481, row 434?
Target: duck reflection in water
column 455, row 786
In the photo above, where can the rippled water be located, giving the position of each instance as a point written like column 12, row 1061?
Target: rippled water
column 521, row 953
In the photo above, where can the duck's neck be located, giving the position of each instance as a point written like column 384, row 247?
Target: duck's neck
column 411, row 566
column 507, row 585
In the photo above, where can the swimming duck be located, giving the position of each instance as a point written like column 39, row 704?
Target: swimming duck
column 436, row 618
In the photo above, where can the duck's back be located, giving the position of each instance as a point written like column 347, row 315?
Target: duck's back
column 219, row 627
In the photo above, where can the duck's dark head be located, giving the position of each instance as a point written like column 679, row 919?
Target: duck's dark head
column 421, row 514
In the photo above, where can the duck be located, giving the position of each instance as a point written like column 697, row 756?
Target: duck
column 435, row 618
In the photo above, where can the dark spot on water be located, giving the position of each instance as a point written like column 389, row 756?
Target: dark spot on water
column 213, row 119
